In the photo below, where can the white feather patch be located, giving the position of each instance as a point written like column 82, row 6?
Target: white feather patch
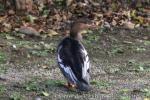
column 67, row 70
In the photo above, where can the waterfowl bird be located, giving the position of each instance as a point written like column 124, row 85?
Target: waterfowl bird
column 73, row 58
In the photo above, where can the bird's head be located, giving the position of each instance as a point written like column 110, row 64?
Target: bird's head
column 78, row 27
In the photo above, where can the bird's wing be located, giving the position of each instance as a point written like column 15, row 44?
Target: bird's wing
column 86, row 65
column 74, row 65
column 65, row 66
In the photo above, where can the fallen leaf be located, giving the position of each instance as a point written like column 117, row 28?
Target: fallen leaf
column 105, row 91
column 2, row 18
column 106, row 24
column 14, row 46
column 45, row 94
column 11, row 12
column 133, row 13
column 68, row 2
column 31, row 18
column 127, row 42
column 114, row 23
column 44, row 66
column 7, row 27
column 52, row 33
column 129, row 25
column 29, row 31
column 137, row 25
column 38, row 98
column 8, row 37
column 140, row 19
column 146, row 98
column 93, row 3
column 41, row 6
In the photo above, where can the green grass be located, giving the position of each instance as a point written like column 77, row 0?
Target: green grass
column 32, row 86
column 91, row 37
column 124, row 91
column 23, row 42
column 1, row 7
column 35, row 85
column 2, row 57
column 100, row 84
column 146, row 42
column 2, row 89
column 3, row 68
column 59, row 3
column 124, row 98
column 146, row 92
column 17, row 96
column 54, row 82
column 115, row 50
column 138, row 66
column 39, row 53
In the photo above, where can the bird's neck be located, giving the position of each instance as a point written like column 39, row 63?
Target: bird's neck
column 77, row 37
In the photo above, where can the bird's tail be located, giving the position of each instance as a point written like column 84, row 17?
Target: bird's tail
column 84, row 87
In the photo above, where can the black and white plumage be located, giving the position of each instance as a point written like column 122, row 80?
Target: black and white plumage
column 74, row 62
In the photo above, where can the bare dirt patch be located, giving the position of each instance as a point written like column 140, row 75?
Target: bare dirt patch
column 120, row 67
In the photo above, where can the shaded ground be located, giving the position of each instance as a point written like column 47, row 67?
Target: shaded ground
column 120, row 67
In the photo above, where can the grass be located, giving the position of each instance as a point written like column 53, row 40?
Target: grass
column 138, row 66
column 2, row 89
column 146, row 42
column 16, row 96
column 39, row 53
column 91, row 37
column 100, row 84
column 123, row 94
column 32, row 86
column 146, row 92
column 2, row 57
column 1, row 7
column 3, row 68
column 93, row 42
column 116, row 50
column 40, row 49
column 23, row 43
column 124, row 98
column 124, row 91
column 52, row 62
column 54, row 83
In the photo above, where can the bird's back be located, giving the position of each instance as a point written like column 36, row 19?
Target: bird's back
column 70, row 53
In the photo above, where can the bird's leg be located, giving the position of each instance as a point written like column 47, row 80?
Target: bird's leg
column 70, row 85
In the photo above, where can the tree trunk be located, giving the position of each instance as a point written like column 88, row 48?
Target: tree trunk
column 24, row 5
column 19, row 5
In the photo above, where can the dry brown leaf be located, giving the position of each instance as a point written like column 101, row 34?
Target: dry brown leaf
column 52, row 33
column 105, row 91
column 8, row 37
column 69, row 2
column 11, row 12
column 29, row 31
column 129, row 25
column 7, row 27
column 137, row 25
column 114, row 23
column 107, row 25
column 44, row 66
column 2, row 18
column 147, row 98
column 140, row 19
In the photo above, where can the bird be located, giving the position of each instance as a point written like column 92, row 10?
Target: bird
column 73, row 59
